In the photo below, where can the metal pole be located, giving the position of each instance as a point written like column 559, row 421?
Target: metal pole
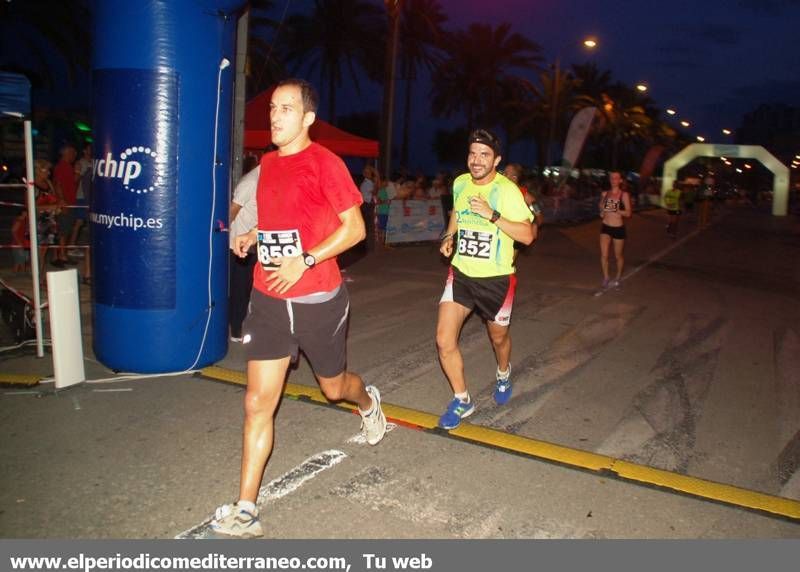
column 239, row 97
column 553, row 108
column 393, row 10
column 37, row 295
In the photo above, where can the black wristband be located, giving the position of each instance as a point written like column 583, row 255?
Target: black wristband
column 495, row 216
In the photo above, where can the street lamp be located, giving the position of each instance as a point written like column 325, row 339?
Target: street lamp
column 641, row 87
column 726, row 131
column 685, row 123
column 700, row 139
column 670, row 112
column 589, row 43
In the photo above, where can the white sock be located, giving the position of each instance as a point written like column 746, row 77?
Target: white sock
column 463, row 397
column 503, row 374
column 247, row 505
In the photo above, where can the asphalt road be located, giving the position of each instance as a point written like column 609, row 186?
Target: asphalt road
column 692, row 367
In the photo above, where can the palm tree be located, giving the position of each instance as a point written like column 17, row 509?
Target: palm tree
column 590, row 82
column 629, row 122
column 421, row 37
column 338, row 37
column 626, row 121
column 542, row 111
column 40, row 30
column 479, row 74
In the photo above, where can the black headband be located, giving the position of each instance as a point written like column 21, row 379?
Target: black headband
column 486, row 138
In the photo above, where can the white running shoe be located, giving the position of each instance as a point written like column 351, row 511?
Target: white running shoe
column 235, row 522
column 373, row 426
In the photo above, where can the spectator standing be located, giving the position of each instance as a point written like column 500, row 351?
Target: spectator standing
column 83, row 170
column 47, row 206
column 369, row 189
column 244, row 217
column 387, row 192
column 65, row 183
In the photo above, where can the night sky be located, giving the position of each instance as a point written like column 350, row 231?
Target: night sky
column 712, row 61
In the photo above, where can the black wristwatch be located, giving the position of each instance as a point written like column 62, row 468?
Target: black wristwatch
column 309, row 259
column 495, row 216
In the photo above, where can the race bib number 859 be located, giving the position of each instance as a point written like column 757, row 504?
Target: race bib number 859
column 474, row 243
column 277, row 244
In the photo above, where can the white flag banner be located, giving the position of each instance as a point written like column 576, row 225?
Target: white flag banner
column 576, row 136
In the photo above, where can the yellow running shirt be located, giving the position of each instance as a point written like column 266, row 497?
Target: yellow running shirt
column 481, row 249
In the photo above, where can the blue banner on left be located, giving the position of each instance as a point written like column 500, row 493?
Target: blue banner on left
column 133, row 212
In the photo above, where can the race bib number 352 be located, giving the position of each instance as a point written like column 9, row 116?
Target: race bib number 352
column 474, row 243
column 277, row 244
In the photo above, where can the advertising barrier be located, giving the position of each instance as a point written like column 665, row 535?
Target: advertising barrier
column 414, row 221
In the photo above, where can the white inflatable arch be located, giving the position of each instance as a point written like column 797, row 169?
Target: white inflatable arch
column 780, row 184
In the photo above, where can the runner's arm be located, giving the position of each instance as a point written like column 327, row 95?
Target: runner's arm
column 446, row 246
column 523, row 231
column 243, row 242
column 234, row 210
column 626, row 200
column 350, row 233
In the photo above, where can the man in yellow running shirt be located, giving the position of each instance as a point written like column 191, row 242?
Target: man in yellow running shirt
column 489, row 214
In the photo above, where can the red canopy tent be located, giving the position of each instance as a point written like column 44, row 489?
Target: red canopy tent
column 257, row 136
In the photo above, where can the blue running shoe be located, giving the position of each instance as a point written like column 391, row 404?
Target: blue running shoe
column 502, row 390
column 456, row 411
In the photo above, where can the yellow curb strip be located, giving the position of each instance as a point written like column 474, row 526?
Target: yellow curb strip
column 708, row 489
column 17, row 379
column 697, row 487
column 424, row 420
column 541, row 449
column 222, row 374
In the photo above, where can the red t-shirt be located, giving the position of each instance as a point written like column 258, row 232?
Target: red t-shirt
column 304, row 192
column 64, row 174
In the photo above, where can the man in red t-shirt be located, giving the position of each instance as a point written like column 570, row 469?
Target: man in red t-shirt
column 65, row 182
column 308, row 213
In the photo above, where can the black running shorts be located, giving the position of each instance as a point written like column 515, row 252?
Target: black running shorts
column 491, row 297
column 276, row 328
column 615, row 232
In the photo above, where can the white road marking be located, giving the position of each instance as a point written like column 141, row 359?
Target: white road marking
column 660, row 254
column 282, row 486
column 657, row 256
column 112, row 390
